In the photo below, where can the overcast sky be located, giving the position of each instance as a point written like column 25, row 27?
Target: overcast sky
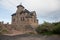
column 46, row 10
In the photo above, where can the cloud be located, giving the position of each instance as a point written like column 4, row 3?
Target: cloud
column 53, row 16
column 45, row 9
column 43, row 5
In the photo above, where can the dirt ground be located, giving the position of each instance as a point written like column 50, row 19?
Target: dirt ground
column 30, row 37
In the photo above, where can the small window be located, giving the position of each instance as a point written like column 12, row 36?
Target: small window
column 22, row 19
column 13, row 20
column 34, row 20
column 21, row 12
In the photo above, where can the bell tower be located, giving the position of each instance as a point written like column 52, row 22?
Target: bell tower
column 20, row 8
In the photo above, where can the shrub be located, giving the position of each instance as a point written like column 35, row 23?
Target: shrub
column 57, row 29
column 49, row 28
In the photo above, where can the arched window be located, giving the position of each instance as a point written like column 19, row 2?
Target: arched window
column 21, row 12
column 22, row 19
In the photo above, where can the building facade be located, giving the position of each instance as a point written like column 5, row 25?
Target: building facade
column 24, row 20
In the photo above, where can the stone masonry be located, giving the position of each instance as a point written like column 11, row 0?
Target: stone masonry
column 23, row 20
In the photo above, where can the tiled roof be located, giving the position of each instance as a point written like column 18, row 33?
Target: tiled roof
column 25, row 11
column 13, row 14
column 20, row 6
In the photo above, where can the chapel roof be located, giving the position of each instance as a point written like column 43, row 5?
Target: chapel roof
column 13, row 14
column 20, row 6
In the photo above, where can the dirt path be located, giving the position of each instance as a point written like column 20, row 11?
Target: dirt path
column 30, row 37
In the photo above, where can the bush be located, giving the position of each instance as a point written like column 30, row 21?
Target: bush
column 3, row 31
column 48, row 28
column 57, row 29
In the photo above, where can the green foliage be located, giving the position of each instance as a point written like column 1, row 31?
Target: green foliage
column 48, row 28
column 30, row 33
column 3, row 30
column 57, row 29
column 0, row 29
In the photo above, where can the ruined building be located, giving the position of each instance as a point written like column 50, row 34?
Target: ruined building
column 24, row 20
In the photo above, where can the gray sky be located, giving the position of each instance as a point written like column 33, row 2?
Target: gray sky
column 47, row 10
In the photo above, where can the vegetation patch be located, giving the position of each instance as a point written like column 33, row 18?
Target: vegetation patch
column 49, row 28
